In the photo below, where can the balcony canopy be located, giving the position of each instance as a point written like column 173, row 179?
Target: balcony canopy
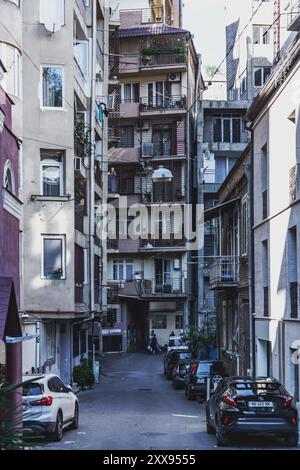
column 9, row 316
column 151, row 30
column 214, row 212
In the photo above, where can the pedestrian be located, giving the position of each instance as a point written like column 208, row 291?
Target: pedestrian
column 172, row 334
column 153, row 344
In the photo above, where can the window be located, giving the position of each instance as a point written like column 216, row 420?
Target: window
column 179, row 322
column 50, row 335
column 261, row 34
column 126, row 137
column 53, row 257
column 159, row 322
column 243, row 85
column 111, row 317
column 8, row 179
column 265, row 277
column 294, row 299
column 264, row 182
column 81, row 53
column 11, row 58
column 163, row 144
column 261, row 75
column 126, row 183
column 52, row 87
column 227, row 128
column 123, row 270
column 131, row 93
column 244, row 228
column 52, row 173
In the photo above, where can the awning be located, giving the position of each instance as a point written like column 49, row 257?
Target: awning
column 214, row 212
column 9, row 317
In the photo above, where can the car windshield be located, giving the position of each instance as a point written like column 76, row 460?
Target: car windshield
column 175, row 342
column 32, row 389
column 204, row 368
column 256, row 388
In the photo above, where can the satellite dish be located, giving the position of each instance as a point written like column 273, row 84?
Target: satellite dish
column 53, row 27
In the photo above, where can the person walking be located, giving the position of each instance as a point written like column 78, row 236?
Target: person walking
column 153, row 344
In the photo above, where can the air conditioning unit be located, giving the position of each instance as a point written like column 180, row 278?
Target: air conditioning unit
column 77, row 164
column 175, row 77
column 143, row 126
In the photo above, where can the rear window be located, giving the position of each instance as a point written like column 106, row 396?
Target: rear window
column 249, row 389
column 204, row 368
column 176, row 342
column 31, row 390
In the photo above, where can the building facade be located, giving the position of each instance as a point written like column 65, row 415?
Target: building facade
column 56, row 55
column 275, row 222
column 151, row 134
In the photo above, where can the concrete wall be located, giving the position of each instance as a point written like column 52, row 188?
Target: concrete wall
column 283, row 153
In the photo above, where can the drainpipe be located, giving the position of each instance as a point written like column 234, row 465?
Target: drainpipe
column 251, row 271
column 188, row 195
column 92, row 179
column 180, row 13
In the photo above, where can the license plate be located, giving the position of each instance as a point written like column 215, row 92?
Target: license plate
column 260, row 404
column 201, row 381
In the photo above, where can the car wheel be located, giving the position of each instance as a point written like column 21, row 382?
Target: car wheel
column 58, row 433
column 75, row 422
column 291, row 441
column 222, row 440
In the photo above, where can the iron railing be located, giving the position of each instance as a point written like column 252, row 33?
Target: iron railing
column 159, row 286
column 162, row 59
column 224, row 270
column 159, row 103
column 293, row 12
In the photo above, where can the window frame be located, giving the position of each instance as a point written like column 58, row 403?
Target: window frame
column 52, row 108
column 262, row 70
column 163, row 319
column 262, row 34
column 17, row 68
column 123, row 263
column 60, row 165
column 224, row 118
column 8, row 167
column 63, row 256
column 85, row 42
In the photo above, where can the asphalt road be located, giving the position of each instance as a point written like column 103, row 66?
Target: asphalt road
column 135, row 407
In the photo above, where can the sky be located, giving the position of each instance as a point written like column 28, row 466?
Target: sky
column 206, row 20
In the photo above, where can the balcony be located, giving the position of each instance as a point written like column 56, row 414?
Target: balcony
column 170, row 244
column 139, row 16
column 293, row 16
column 224, row 272
column 175, row 104
column 152, row 288
column 170, row 61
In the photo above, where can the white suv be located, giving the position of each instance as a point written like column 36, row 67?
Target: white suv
column 49, row 406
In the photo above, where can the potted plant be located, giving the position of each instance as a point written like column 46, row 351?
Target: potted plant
column 147, row 54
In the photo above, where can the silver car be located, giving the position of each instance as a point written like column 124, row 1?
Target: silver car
column 49, row 406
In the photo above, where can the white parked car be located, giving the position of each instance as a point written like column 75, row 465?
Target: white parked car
column 49, row 406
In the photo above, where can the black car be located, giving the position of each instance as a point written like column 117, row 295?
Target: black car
column 180, row 372
column 171, row 360
column 261, row 406
column 196, row 379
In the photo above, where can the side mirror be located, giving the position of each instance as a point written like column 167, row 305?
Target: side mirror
column 69, row 388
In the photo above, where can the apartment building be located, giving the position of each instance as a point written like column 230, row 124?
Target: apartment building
column 151, row 144
column 55, row 54
column 229, row 271
column 274, row 121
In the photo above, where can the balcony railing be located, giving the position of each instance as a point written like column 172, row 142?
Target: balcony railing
column 168, row 103
column 158, row 287
column 224, row 271
column 171, row 242
column 293, row 21
column 163, row 59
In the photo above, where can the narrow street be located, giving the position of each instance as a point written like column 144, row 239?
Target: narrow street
column 135, row 407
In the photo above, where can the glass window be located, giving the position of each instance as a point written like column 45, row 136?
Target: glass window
column 126, row 137
column 32, row 389
column 53, row 258
column 261, row 75
column 227, row 128
column 204, row 368
column 8, row 182
column 261, row 34
column 159, row 322
column 179, row 322
column 11, row 58
column 123, row 270
column 52, row 174
column 81, row 53
column 52, row 87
